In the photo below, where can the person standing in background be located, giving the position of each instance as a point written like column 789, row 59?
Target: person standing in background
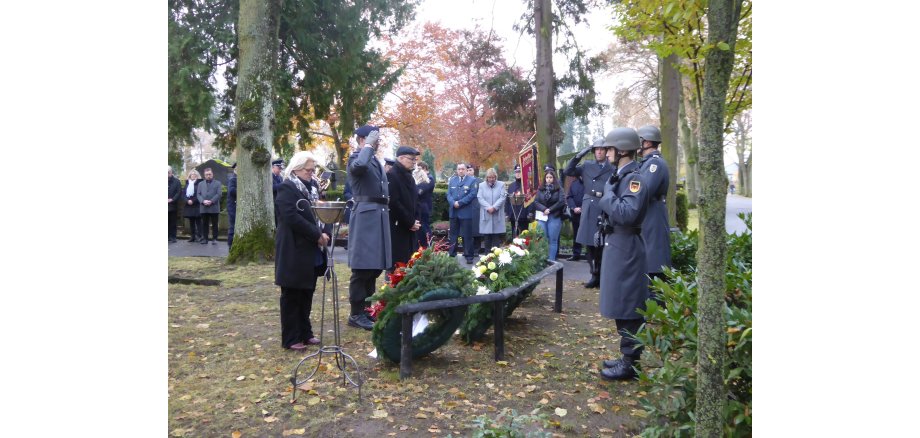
column 574, row 199
column 594, row 174
column 425, row 185
column 524, row 214
column 403, row 203
column 550, row 201
column 477, row 236
column 491, row 196
column 655, row 229
column 174, row 195
column 192, row 209
column 460, row 196
column 209, row 197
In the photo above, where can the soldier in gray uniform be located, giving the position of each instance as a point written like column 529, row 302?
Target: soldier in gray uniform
column 594, row 173
column 655, row 228
column 624, row 285
column 369, row 224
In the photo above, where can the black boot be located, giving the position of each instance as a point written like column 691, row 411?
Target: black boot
column 594, row 281
column 621, row 369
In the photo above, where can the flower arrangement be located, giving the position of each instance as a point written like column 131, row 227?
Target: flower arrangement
column 429, row 274
column 501, row 268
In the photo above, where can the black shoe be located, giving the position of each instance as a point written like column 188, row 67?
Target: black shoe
column 360, row 321
column 192, row 240
column 214, row 242
column 594, row 282
column 204, row 241
column 469, row 261
column 173, row 240
column 370, row 317
column 621, row 370
column 611, row 363
column 574, row 258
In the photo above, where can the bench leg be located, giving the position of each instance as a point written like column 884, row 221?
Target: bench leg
column 498, row 320
column 558, row 306
column 405, row 358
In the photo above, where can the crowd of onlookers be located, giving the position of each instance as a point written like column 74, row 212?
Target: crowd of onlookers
column 200, row 200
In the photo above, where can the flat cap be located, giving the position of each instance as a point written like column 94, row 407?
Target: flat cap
column 278, row 162
column 390, row 161
column 517, row 167
column 365, row 130
column 406, row 150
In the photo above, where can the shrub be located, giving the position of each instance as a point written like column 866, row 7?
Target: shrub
column 439, row 205
column 508, row 424
column 670, row 338
column 682, row 210
column 683, row 251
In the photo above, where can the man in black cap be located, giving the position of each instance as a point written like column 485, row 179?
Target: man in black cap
column 369, row 224
column 594, row 174
column 231, row 203
column 523, row 214
column 403, row 201
column 388, row 164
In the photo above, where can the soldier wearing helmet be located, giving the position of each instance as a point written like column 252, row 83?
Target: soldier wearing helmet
column 655, row 228
column 594, row 174
column 624, row 285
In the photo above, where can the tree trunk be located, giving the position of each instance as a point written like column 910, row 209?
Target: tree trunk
column 685, row 145
column 710, row 392
column 546, row 108
column 741, row 147
column 258, row 41
column 669, row 111
column 749, row 176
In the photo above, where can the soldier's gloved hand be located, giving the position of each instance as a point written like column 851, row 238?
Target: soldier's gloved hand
column 584, row 152
column 372, row 139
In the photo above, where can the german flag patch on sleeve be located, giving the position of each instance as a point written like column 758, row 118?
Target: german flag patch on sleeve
column 634, row 186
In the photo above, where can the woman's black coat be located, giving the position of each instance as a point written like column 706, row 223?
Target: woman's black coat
column 403, row 202
column 296, row 239
column 551, row 199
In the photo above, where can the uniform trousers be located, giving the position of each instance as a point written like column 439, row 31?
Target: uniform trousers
column 576, row 222
column 462, row 228
column 627, row 328
column 362, row 285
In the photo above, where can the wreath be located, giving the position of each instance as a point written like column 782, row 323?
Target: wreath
column 429, row 275
column 502, row 268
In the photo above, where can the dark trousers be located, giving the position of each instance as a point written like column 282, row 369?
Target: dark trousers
column 493, row 240
column 627, row 328
column 205, row 219
column 424, row 232
column 594, row 254
column 173, row 221
column 232, row 216
column 576, row 222
column 194, row 228
column 362, row 285
column 295, row 315
column 462, row 228
column 518, row 226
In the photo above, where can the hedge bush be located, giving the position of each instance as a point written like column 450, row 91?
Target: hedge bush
column 682, row 210
column 670, row 337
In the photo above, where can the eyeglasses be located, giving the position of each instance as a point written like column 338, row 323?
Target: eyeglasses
column 408, row 157
column 309, row 169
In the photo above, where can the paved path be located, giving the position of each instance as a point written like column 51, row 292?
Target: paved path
column 735, row 204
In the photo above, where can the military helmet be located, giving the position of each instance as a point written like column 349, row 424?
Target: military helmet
column 650, row 133
column 599, row 143
column 623, row 139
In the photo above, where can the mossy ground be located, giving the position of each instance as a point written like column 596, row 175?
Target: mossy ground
column 228, row 372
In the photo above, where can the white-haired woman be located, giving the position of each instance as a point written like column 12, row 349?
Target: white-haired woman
column 425, row 186
column 491, row 196
column 192, row 209
column 299, row 245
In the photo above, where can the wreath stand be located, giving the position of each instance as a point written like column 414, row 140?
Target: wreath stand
column 330, row 212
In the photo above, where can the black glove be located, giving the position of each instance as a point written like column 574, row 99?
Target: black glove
column 583, row 153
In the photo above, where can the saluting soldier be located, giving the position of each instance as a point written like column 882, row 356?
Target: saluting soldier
column 594, row 174
column 655, row 228
column 369, row 224
column 624, row 285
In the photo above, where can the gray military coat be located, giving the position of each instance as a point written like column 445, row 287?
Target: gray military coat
column 492, row 223
column 209, row 191
column 655, row 228
column 624, row 284
column 369, row 224
column 594, row 175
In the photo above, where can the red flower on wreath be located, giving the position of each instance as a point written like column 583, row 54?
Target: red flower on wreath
column 376, row 308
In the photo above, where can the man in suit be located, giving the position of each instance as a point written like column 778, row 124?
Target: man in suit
column 461, row 194
column 209, row 196
column 175, row 197
column 655, row 228
column 403, row 205
column 594, row 174
column 369, row 224
column 231, row 203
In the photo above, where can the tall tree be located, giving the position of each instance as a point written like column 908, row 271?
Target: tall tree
column 669, row 111
column 258, row 54
column 742, row 141
column 546, row 105
column 723, row 29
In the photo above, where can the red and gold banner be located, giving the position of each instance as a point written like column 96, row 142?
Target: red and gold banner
column 529, row 179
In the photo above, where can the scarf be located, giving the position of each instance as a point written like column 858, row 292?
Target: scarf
column 310, row 192
column 190, row 190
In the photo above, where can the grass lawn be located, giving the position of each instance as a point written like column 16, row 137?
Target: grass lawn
column 229, row 376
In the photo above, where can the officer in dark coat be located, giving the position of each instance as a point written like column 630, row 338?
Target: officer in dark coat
column 655, row 228
column 462, row 202
column 574, row 199
column 403, row 202
column 175, row 197
column 369, row 226
column 231, row 203
column 524, row 214
column 477, row 235
column 624, row 285
column 594, row 173
column 300, row 256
